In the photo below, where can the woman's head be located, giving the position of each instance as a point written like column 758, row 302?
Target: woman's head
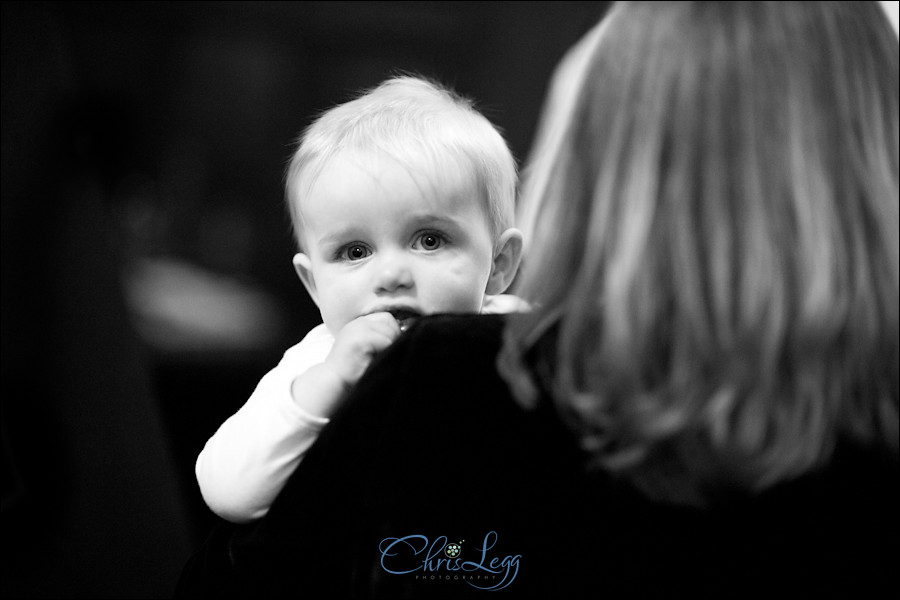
column 714, row 254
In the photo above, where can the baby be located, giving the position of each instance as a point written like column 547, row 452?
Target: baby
column 402, row 202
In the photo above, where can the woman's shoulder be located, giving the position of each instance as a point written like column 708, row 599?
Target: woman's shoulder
column 448, row 342
column 443, row 365
column 463, row 328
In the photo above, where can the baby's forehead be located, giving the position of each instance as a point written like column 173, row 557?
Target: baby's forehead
column 441, row 178
column 350, row 183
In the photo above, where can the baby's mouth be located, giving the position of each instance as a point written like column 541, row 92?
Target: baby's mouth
column 404, row 317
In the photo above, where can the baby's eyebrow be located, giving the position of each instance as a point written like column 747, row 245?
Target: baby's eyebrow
column 439, row 220
column 342, row 235
column 339, row 236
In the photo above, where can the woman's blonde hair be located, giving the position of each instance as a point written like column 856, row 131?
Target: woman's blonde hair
column 714, row 262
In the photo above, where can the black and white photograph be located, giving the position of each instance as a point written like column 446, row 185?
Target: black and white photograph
column 439, row 299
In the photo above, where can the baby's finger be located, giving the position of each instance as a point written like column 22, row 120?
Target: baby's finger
column 385, row 323
column 385, row 333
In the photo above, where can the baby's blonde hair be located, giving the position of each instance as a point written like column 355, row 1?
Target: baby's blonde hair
column 419, row 123
column 714, row 269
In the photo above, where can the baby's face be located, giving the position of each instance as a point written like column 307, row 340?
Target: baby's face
column 378, row 238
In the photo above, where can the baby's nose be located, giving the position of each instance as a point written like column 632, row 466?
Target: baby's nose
column 394, row 273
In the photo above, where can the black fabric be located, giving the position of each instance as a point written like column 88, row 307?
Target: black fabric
column 431, row 444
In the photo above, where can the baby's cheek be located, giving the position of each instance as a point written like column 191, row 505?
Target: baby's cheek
column 463, row 294
column 338, row 309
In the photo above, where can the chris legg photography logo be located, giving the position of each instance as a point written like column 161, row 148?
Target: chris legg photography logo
column 446, row 560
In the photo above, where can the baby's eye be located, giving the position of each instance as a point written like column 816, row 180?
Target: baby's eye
column 356, row 252
column 430, row 241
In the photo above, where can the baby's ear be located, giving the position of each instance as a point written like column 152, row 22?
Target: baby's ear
column 506, row 261
column 303, row 267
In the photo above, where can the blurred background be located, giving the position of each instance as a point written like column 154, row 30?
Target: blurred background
column 146, row 254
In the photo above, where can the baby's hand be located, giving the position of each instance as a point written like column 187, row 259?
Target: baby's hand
column 358, row 342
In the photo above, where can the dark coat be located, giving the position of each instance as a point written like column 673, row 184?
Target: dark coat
column 431, row 445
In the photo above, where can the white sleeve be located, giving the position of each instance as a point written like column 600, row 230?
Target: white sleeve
column 246, row 463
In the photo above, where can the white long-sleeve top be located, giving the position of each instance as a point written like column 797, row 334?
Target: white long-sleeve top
column 246, row 463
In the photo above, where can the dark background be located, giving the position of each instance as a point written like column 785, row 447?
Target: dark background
column 146, row 274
